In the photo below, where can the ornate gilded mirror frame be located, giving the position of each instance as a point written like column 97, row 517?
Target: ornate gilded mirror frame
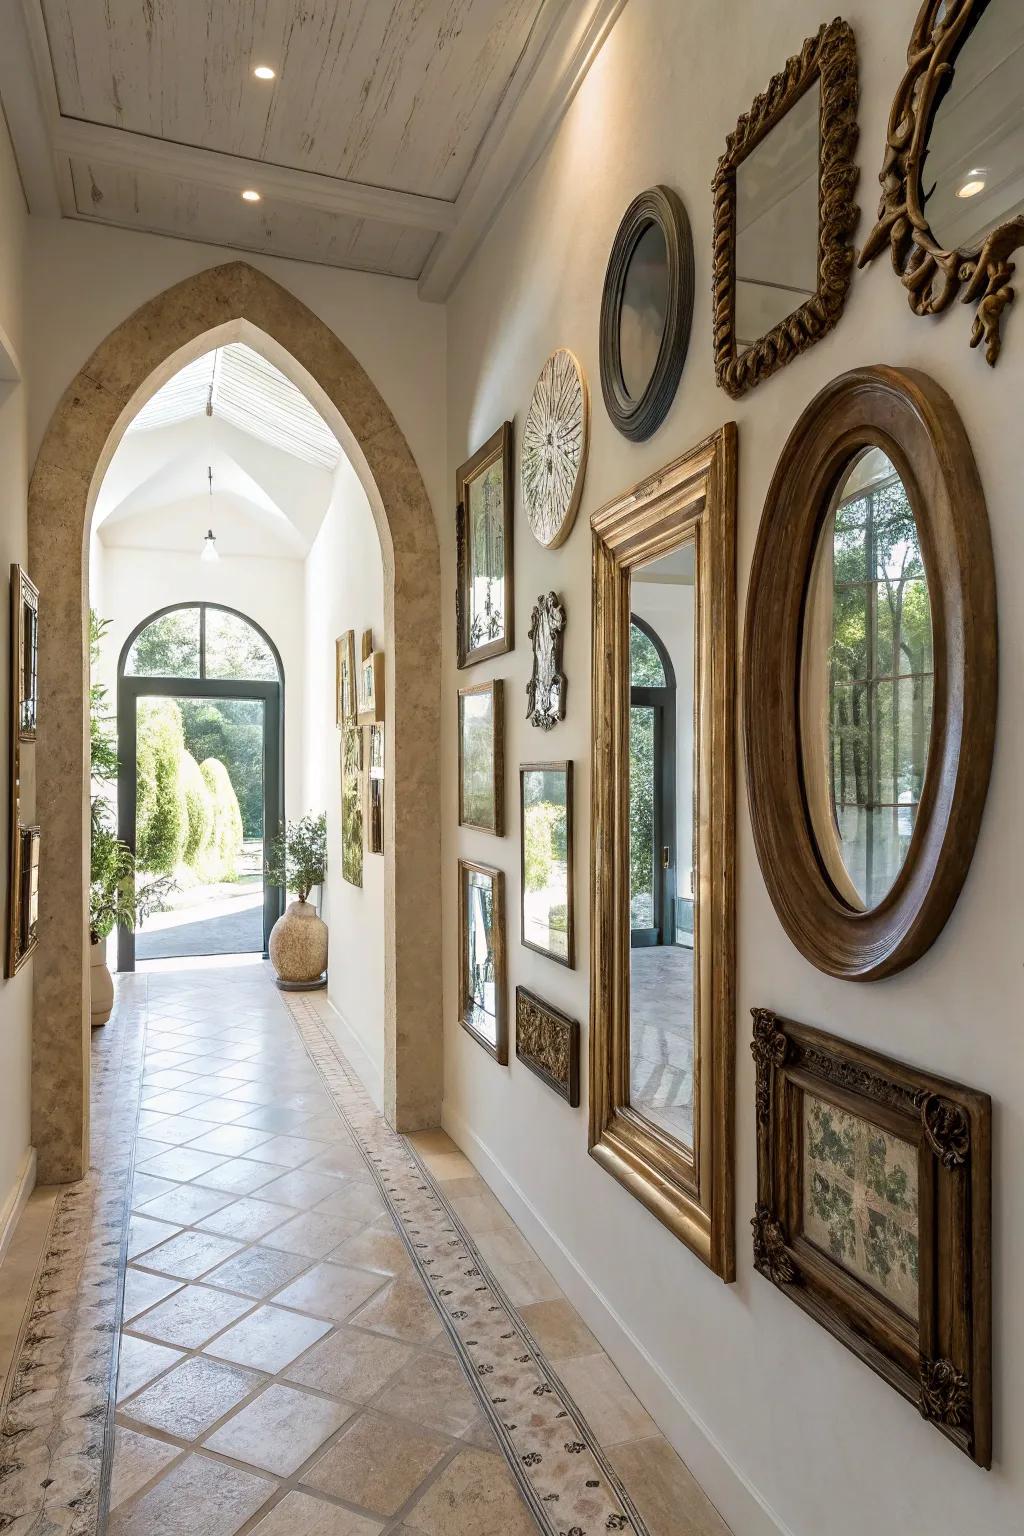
column 933, row 276
column 691, row 1193
column 831, row 57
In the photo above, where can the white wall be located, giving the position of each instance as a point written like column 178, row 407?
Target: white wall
column 16, row 994
column 127, row 585
column 768, row 1409
column 345, row 590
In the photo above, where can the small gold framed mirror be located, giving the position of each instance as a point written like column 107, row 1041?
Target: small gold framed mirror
column 23, row 862
column 663, row 845
column 785, row 213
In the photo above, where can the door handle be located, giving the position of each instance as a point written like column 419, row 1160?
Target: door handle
column 666, row 856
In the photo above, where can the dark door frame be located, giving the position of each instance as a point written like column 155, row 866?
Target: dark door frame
column 663, row 702
column 270, row 694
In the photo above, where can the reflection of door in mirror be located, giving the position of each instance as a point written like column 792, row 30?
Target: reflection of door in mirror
column 867, row 676
column 661, row 841
column 777, row 222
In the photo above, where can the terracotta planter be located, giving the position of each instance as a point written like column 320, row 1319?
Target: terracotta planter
column 298, row 947
column 102, row 983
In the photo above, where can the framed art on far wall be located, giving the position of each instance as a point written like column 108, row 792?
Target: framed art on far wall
column 375, row 789
column 23, row 856
column 352, row 804
column 483, row 982
column 483, row 537
column 874, row 1193
column 546, row 896
column 345, row 677
column 482, row 757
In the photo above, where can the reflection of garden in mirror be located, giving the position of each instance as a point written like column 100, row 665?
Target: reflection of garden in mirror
column 546, row 812
column 479, row 709
column 480, row 958
column 867, row 683
column 486, row 536
column 662, row 848
column 777, row 222
column 973, row 170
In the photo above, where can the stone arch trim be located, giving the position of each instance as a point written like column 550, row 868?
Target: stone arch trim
column 233, row 301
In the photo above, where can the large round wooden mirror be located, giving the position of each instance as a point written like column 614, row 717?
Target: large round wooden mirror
column 870, row 679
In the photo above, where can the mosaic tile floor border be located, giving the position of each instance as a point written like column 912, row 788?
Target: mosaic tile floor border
column 57, row 1412
column 563, row 1474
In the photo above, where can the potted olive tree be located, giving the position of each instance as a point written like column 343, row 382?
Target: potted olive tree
column 298, row 940
column 115, row 901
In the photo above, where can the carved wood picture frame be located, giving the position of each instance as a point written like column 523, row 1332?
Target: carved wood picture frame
column 639, row 418
column 548, row 1042
column 919, row 1190
column 915, row 423
column 499, row 1047
column 470, row 647
column 932, row 275
column 831, row 57
column 689, row 1190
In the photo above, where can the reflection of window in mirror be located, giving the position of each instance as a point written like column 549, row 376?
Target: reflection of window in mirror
column 661, row 842
column 867, row 682
column 973, row 176
column 777, row 222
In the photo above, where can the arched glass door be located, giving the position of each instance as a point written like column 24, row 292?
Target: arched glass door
column 652, row 792
column 200, row 711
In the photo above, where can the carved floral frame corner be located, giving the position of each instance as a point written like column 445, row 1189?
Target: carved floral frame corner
column 942, row 1361
column 831, row 56
column 932, row 275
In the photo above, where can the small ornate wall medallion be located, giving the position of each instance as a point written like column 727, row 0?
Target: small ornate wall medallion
column 545, row 692
column 555, row 441
column 548, row 1042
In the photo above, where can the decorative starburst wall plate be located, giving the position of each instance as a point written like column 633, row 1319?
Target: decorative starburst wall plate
column 555, row 441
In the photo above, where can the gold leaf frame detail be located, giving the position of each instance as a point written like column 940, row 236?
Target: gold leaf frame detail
column 692, row 1193
column 830, row 56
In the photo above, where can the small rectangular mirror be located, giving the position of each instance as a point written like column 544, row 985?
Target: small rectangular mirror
column 483, row 595
column 482, row 978
column 545, row 803
column 663, row 753
column 482, row 757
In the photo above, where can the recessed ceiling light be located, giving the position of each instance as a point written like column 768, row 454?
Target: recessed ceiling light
column 250, row 195
column 263, row 72
column 972, row 185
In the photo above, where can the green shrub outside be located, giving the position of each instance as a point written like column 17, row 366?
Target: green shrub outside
column 200, row 813
column 161, row 811
column 226, row 840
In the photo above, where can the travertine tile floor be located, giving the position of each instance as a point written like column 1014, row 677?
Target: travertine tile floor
column 283, row 1370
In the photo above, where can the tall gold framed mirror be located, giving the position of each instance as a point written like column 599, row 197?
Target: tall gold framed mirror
column 662, row 1022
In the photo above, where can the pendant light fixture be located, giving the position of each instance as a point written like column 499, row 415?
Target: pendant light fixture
column 209, row 554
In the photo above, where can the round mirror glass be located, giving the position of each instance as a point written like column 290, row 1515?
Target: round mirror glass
column 972, row 176
column 867, row 681
column 644, row 310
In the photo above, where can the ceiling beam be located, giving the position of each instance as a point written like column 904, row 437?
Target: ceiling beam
column 27, row 113
column 565, row 43
column 231, row 173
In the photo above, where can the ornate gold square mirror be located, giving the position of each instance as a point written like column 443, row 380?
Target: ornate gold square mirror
column 663, row 838
column 785, row 214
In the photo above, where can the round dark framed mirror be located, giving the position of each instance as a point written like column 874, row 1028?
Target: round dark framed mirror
column 646, row 310
column 870, row 678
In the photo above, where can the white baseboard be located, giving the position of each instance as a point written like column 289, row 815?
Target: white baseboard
column 370, row 1073
column 16, row 1200
column 740, row 1505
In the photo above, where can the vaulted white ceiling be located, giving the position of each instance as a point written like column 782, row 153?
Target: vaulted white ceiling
column 390, row 135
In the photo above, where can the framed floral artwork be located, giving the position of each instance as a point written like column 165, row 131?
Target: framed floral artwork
column 874, row 1215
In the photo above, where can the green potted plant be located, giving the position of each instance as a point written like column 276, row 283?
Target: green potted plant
column 298, row 940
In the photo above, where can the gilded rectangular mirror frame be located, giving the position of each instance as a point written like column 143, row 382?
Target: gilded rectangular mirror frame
column 687, row 1182
column 762, row 202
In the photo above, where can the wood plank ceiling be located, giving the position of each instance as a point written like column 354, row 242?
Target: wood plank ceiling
column 389, row 135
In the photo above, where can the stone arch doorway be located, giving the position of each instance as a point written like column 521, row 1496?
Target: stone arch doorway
column 233, row 302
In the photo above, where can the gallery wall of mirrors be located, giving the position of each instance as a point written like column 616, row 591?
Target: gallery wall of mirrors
column 869, row 706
